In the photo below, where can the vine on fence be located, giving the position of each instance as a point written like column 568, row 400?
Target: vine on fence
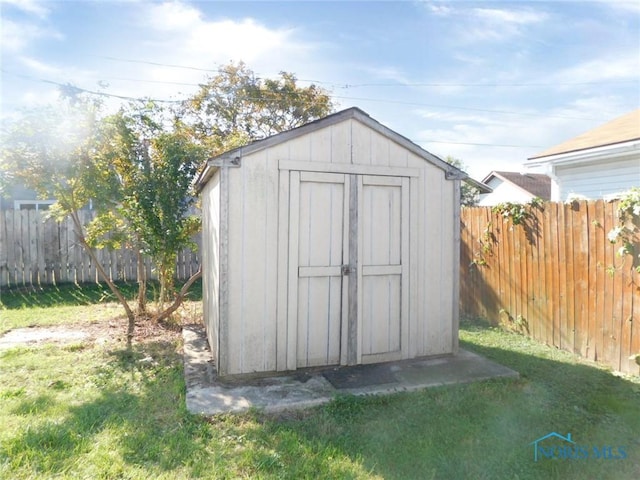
column 517, row 214
column 628, row 229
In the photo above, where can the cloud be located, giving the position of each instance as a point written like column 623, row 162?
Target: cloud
column 219, row 40
column 33, row 7
column 17, row 36
column 610, row 68
column 483, row 24
column 480, row 139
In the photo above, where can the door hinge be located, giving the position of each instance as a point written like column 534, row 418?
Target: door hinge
column 346, row 269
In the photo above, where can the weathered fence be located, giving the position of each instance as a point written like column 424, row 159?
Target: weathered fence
column 35, row 250
column 555, row 277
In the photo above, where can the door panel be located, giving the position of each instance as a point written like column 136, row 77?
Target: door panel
column 321, row 234
column 383, row 232
column 329, row 322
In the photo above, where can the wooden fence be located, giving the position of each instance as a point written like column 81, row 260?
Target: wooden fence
column 35, row 250
column 555, row 277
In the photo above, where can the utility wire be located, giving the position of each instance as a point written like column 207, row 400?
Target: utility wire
column 339, row 97
column 382, row 84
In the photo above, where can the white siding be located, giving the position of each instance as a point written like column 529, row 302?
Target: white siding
column 211, row 259
column 598, row 180
column 252, row 276
column 504, row 192
column 258, row 326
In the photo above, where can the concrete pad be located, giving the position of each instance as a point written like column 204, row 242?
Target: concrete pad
column 208, row 395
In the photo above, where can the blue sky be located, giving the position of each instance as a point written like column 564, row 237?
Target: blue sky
column 491, row 83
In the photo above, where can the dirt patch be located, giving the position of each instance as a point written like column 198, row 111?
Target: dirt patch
column 102, row 332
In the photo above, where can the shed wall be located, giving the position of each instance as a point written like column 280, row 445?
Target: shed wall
column 254, row 258
column 211, row 260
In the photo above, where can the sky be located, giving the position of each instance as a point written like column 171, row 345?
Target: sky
column 489, row 83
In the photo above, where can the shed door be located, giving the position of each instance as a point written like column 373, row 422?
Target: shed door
column 324, row 221
column 383, row 254
column 319, row 207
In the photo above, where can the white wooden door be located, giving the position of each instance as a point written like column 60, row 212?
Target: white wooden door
column 383, row 268
column 334, row 323
column 319, row 219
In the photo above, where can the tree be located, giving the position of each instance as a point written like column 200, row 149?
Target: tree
column 235, row 107
column 468, row 193
column 139, row 165
column 52, row 150
column 155, row 162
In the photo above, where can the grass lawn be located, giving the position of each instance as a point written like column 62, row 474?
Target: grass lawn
column 96, row 410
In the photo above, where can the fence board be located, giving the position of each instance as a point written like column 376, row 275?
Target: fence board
column 554, row 273
column 35, row 250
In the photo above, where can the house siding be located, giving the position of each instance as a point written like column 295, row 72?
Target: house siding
column 504, row 192
column 595, row 181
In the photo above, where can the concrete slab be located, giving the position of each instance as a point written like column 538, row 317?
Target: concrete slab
column 208, row 395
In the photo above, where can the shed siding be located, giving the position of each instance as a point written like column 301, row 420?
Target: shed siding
column 253, row 253
column 598, row 180
column 211, row 260
column 257, row 279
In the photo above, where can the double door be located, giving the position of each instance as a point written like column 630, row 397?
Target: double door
column 348, row 268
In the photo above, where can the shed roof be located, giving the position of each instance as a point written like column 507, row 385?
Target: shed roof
column 622, row 129
column 451, row 172
column 537, row 184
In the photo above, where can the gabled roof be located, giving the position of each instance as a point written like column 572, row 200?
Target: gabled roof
column 622, row 129
column 536, row 184
column 451, row 172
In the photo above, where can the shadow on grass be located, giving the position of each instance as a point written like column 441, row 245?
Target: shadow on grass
column 138, row 419
column 71, row 294
column 482, row 430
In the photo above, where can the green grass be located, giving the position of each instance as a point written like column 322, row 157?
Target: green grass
column 97, row 411
column 69, row 303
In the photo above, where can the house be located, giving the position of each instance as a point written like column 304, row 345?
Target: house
column 335, row 243
column 515, row 187
column 600, row 163
column 19, row 197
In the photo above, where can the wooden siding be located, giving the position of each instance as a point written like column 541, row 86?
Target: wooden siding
column 548, row 278
column 35, row 250
column 260, row 334
column 211, row 260
column 598, row 180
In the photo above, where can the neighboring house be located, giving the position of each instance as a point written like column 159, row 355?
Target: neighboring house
column 21, row 198
column 515, row 187
column 600, row 163
column 335, row 243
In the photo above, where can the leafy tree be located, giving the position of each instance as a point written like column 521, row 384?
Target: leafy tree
column 138, row 165
column 52, row 151
column 155, row 164
column 468, row 193
column 236, row 107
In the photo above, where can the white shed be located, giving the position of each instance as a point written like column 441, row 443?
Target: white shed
column 336, row 243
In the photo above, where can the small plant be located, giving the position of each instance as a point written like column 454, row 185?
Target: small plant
column 516, row 212
column 627, row 231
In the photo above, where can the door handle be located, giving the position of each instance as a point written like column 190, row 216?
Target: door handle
column 346, row 269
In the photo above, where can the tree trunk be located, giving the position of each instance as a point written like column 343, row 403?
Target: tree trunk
column 123, row 301
column 142, row 284
column 163, row 315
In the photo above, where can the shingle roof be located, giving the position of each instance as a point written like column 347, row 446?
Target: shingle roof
column 536, row 184
column 619, row 130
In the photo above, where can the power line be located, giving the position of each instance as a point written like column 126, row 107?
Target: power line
column 383, row 84
column 480, row 144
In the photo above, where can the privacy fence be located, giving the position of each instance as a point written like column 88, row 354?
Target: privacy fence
column 555, row 277
column 36, row 250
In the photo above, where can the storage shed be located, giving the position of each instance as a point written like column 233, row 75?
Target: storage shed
column 335, row 243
